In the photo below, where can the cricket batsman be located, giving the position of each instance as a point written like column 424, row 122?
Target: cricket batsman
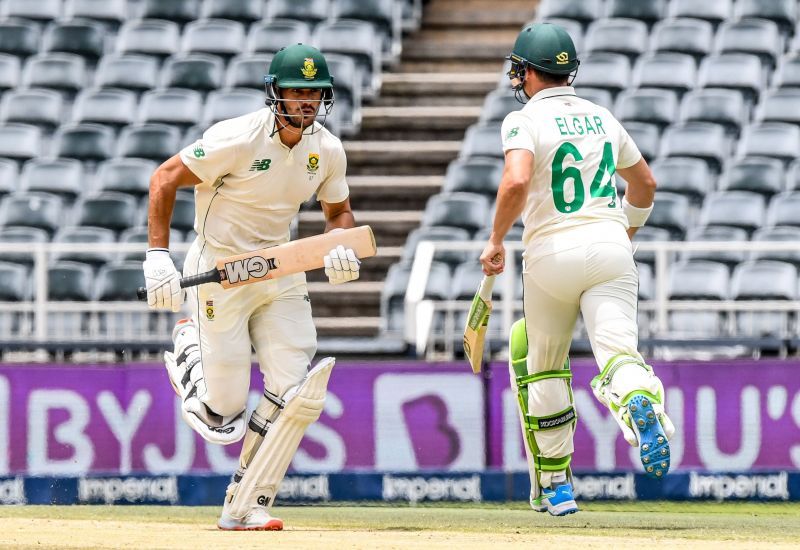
column 561, row 154
column 250, row 176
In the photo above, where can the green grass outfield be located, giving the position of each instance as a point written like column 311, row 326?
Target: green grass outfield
column 688, row 525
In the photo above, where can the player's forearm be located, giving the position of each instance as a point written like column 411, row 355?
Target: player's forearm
column 510, row 203
column 342, row 220
column 641, row 188
column 159, row 212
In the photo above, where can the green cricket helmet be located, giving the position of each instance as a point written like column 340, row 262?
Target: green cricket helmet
column 545, row 47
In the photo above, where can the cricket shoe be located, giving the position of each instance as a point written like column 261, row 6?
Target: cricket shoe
column 651, row 435
column 557, row 501
column 257, row 519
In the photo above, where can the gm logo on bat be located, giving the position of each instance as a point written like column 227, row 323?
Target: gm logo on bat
column 256, row 267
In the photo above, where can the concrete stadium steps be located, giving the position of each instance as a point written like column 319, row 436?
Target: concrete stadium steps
column 346, row 326
column 417, row 123
column 445, row 90
column 395, row 192
column 474, row 14
column 391, row 227
column 400, row 157
column 347, row 300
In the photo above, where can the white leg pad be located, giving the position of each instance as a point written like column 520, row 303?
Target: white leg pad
column 303, row 405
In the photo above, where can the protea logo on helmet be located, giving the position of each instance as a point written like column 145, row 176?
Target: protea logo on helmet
column 562, row 58
column 309, row 70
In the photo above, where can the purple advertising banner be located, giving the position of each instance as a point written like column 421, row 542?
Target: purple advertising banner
column 78, row 419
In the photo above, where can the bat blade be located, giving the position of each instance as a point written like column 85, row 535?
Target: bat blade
column 477, row 323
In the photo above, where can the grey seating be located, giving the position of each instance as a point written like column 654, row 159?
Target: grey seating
column 688, row 36
column 782, row 12
column 498, row 104
column 778, row 234
column 115, row 211
column 479, row 175
column 310, row 11
column 752, row 36
column 384, row 15
column 466, row 280
column 739, row 71
column 609, row 71
column 714, row 11
column 771, row 139
column 20, row 141
column 646, row 137
column 183, row 214
column 128, row 71
column 125, row 175
column 717, row 233
column 10, row 71
column 584, row 11
column 175, row 106
column 35, row 106
column 247, row 71
column 181, row 11
column 214, row 36
column 38, row 10
column 22, row 235
column 782, row 105
column 13, row 282
column 394, row 291
column 150, row 141
column 196, row 71
column 573, row 27
column 70, row 281
column 617, row 35
column 87, row 142
column 762, row 175
column 84, row 38
column 271, row 36
column 699, row 280
column 61, row 71
column 347, row 90
column 763, row 280
column 683, row 175
column 673, row 71
column 597, row 96
column 783, row 209
column 119, row 281
column 649, row 12
column 793, row 176
column 696, row 325
column 734, row 209
column 90, row 236
column 702, row 140
column 149, row 36
column 787, row 74
column 482, row 140
column 139, row 235
column 466, row 210
column 63, row 177
column 717, row 105
column 246, row 11
column 39, row 210
column 654, row 106
column 8, row 176
column 105, row 106
column 20, row 38
column 646, row 290
column 222, row 105
column 649, row 233
column 109, row 12
column 438, row 233
column 671, row 212
column 358, row 40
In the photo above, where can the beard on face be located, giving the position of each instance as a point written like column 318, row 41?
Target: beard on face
column 303, row 119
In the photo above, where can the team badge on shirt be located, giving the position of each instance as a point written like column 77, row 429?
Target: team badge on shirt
column 309, row 70
column 313, row 163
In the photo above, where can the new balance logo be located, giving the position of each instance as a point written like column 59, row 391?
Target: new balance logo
column 259, row 165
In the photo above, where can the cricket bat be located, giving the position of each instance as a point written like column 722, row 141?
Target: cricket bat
column 477, row 322
column 284, row 259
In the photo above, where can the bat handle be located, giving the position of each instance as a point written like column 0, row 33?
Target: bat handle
column 487, row 284
column 210, row 276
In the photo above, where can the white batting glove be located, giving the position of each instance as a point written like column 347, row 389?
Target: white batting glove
column 341, row 265
column 162, row 280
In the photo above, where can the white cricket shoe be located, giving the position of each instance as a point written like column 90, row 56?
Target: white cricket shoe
column 257, row 519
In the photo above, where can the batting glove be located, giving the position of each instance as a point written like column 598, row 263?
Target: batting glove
column 162, row 280
column 341, row 265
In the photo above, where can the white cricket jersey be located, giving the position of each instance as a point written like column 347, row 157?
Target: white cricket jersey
column 253, row 185
column 577, row 147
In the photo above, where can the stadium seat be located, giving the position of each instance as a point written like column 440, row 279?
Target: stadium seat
column 762, row 175
column 10, row 71
column 688, row 36
column 182, row 214
column 626, row 36
column 793, row 176
column 309, row 11
column 181, row 11
column 438, row 233
column 192, row 134
column 649, row 12
column 787, row 74
column 608, row 71
column 697, row 139
column 782, row 105
column 70, row 281
column 647, row 105
column 782, row 12
column 596, row 95
column 38, row 10
column 150, row 141
column 20, row 141
column 738, row 71
column 734, row 209
column 126, row 175
column 700, row 280
column 671, row 212
column 214, row 36
column 119, row 281
column 222, row 105
column 482, row 140
column 84, row 38
column 584, row 11
column 246, row 11
column 467, row 278
column 271, row 36
column 770, row 139
column 132, row 72
column 778, row 234
column 649, row 233
column 783, row 209
column 646, row 286
column 87, row 142
column 139, row 235
column 149, row 36
column 764, row 280
column 40, row 210
column 347, row 91
column 22, row 235
column 673, row 71
column 498, row 104
column 696, row 325
column 61, row 71
column 394, row 291
column 686, row 176
column 384, row 15
column 8, row 176
column 109, row 12
column 115, row 211
column 717, row 234
column 480, row 175
column 63, row 177
column 201, row 72
column 89, row 236
column 20, row 38
column 356, row 39
column 645, row 136
column 13, row 281
column 175, row 106
column 466, row 210
column 248, row 71
column 751, row 36
column 105, row 106
column 714, row 11
column 720, row 106
column 39, row 107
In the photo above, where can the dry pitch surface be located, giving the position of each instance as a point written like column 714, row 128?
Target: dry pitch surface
column 644, row 525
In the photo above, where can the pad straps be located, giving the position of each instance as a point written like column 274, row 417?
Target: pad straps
column 551, row 422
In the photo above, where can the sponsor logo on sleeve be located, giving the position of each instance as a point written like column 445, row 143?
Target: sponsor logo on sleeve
column 198, row 151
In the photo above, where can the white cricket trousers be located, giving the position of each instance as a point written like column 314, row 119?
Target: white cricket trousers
column 272, row 317
column 590, row 269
